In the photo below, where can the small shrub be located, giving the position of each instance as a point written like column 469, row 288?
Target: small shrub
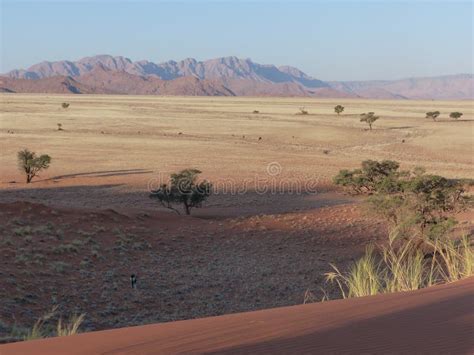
column 127, row 241
column 65, row 105
column 86, row 262
column 255, row 111
column 95, row 253
column 60, row 127
column 338, row 109
column 433, row 115
column 22, row 231
column 303, row 111
column 22, row 257
column 60, row 266
column 65, row 249
column 455, row 115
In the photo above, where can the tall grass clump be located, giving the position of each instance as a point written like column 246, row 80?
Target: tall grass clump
column 70, row 327
column 363, row 279
column 42, row 327
column 38, row 330
column 455, row 258
column 405, row 268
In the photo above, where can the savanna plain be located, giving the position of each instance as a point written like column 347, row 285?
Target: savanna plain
column 266, row 236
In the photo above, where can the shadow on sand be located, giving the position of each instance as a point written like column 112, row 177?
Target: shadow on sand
column 104, row 173
column 122, row 197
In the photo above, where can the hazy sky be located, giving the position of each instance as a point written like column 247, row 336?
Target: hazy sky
column 330, row 40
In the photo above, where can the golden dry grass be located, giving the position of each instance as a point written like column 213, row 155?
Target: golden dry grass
column 108, row 133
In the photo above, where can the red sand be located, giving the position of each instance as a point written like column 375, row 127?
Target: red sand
column 439, row 319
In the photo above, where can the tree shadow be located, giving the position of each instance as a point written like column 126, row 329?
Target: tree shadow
column 253, row 203
column 402, row 127
column 219, row 206
column 104, row 173
column 454, row 121
column 67, row 196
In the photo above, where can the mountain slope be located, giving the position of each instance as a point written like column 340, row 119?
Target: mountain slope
column 232, row 75
column 227, row 68
column 53, row 85
column 105, row 81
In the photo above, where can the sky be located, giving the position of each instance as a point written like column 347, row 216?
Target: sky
column 329, row 40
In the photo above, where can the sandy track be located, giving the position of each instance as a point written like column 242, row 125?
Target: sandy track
column 434, row 320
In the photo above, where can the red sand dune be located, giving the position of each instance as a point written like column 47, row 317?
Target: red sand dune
column 439, row 319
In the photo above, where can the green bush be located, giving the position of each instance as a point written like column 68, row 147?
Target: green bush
column 433, row 115
column 338, row 109
column 185, row 189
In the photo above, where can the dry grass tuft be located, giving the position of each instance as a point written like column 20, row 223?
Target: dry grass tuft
column 39, row 329
column 71, row 327
column 405, row 268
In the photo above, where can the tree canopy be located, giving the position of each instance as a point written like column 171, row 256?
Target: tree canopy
column 31, row 164
column 455, row 115
column 338, row 109
column 185, row 189
column 433, row 115
column 369, row 118
column 416, row 204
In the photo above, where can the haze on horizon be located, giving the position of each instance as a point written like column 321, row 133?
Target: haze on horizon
column 342, row 40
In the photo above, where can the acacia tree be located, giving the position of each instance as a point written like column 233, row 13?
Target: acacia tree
column 338, row 109
column 433, row 115
column 185, row 189
column 369, row 118
column 455, row 115
column 31, row 164
column 372, row 176
column 416, row 205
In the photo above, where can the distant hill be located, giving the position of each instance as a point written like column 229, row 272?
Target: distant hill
column 459, row 87
column 220, row 76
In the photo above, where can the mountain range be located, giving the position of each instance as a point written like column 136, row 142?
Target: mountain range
column 228, row 76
